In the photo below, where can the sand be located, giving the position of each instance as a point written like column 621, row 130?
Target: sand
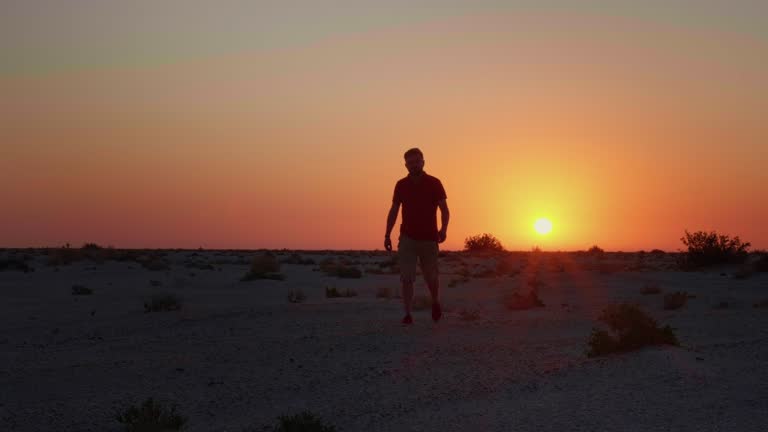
column 238, row 354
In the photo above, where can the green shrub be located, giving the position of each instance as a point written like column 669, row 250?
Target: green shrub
column 709, row 248
column 483, row 243
column 633, row 329
column 151, row 417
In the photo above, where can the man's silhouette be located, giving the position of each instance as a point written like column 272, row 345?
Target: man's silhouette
column 420, row 194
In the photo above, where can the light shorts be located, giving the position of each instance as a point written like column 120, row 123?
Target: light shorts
column 426, row 251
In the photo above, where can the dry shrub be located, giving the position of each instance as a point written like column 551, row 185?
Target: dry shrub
column 675, row 300
column 632, row 329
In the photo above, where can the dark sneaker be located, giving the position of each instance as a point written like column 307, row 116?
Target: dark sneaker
column 437, row 312
column 407, row 319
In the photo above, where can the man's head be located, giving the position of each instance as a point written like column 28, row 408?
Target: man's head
column 414, row 161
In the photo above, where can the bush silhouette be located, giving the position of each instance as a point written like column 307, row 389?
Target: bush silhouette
column 332, row 292
column 483, row 243
column 332, row 268
column 264, row 266
column 633, row 329
column 15, row 264
column 595, row 250
column 151, row 417
column 81, row 290
column 675, row 300
column 649, row 289
column 163, row 302
column 296, row 296
column 709, row 248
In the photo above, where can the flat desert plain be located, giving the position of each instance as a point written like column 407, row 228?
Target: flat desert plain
column 77, row 343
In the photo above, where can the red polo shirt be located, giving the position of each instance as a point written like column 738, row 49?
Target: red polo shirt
column 419, row 200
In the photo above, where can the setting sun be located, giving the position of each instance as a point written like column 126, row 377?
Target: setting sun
column 542, row 226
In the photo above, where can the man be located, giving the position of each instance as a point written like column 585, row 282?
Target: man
column 420, row 194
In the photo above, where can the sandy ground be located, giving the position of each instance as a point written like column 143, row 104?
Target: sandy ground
column 238, row 354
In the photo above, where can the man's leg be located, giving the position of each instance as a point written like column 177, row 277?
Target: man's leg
column 428, row 260
column 407, row 259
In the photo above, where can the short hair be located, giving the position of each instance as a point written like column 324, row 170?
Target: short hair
column 413, row 151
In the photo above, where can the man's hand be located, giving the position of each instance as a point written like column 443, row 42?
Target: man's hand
column 388, row 244
column 442, row 234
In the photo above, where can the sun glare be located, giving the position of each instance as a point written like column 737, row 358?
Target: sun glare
column 542, row 226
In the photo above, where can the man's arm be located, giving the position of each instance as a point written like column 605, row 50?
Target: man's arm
column 392, row 217
column 445, row 215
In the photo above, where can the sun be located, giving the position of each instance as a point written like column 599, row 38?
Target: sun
column 542, row 226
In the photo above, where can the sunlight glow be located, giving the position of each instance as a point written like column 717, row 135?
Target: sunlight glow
column 542, row 226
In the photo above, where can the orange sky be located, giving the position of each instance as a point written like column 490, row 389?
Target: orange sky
column 624, row 126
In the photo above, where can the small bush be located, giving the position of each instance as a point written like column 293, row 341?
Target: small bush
column 151, row 417
column 384, row 292
column 15, row 264
column 595, row 250
column 516, row 301
column 744, row 272
column 709, row 248
column 340, row 269
column 295, row 258
column 265, row 263
column 650, row 289
column 348, row 272
column 332, row 292
column 675, row 300
column 303, row 422
column 264, row 266
column 483, row 243
column 633, row 329
column 154, row 263
column 296, row 296
column 81, row 290
column 163, row 302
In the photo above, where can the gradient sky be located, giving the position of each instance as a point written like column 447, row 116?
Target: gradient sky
column 282, row 124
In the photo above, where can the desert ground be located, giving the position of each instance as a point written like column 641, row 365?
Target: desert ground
column 78, row 343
